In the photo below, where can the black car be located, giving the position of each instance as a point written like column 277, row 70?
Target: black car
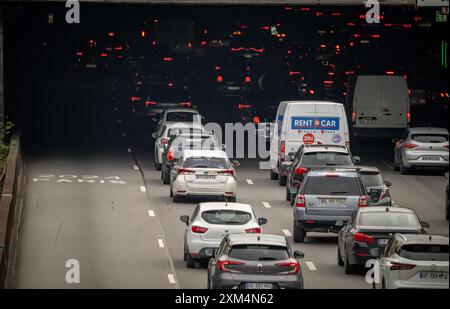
column 373, row 227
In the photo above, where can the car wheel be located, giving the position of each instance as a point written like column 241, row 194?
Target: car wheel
column 348, row 269
column 273, row 175
column 190, row 262
column 339, row 257
column 282, row 180
column 176, row 199
column 299, row 234
column 395, row 165
column 293, row 200
column 288, row 194
column 158, row 166
column 403, row 170
column 184, row 254
column 166, row 177
column 383, row 285
column 171, row 192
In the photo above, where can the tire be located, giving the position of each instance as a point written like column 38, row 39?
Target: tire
column 340, row 262
column 395, row 165
column 158, row 166
column 299, row 234
column 273, row 175
column 176, row 199
column 184, row 254
column 190, row 262
column 293, row 197
column 348, row 269
column 403, row 170
column 166, row 177
column 288, row 194
column 171, row 192
column 383, row 285
column 282, row 180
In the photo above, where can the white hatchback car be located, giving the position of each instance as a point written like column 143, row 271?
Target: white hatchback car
column 203, row 173
column 414, row 261
column 211, row 222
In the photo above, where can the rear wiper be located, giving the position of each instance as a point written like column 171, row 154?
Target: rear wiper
column 233, row 222
column 200, row 166
column 267, row 258
column 339, row 192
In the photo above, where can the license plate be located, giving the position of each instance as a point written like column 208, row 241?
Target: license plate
column 331, row 201
column 234, row 88
column 262, row 286
column 430, row 158
column 367, row 121
column 433, row 275
column 208, row 177
column 91, row 66
column 383, row 242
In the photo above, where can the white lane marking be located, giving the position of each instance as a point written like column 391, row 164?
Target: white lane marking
column 266, row 204
column 129, row 150
column 250, row 182
column 171, row 278
column 151, row 213
column 135, row 167
column 287, row 233
column 161, row 243
column 143, row 189
column 123, row 134
column 311, row 266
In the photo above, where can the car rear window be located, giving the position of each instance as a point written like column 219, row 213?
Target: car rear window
column 372, row 179
column 183, row 116
column 425, row 252
column 226, row 217
column 390, row 218
column 317, row 185
column 430, row 138
column 175, row 131
column 259, row 253
column 206, row 162
column 326, row 158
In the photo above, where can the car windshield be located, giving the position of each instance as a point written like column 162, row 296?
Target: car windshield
column 425, row 252
column 259, row 253
column 183, row 116
column 326, row 158
column 205, row 162
column 174, row 131
column 391, row 219
column 430, row 138
column 226, row 217
column 332, row 186
column 372, row 179
column 204, row 142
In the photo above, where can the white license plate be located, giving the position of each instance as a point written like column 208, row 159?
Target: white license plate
column 262, row 286
column 207, row 177
column 233, row 88
column 367, row 121
column 430, row 158
column 91, row 66
column 331, row 201
column 433, row 275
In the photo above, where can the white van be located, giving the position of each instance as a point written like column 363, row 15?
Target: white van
column 381, row 106
column 305, row 122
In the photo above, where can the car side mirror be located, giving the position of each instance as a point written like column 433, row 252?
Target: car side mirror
column 299, row 255
column 375, row 252
column 357, row 159
column 388, row 183
column 446, row 175
column 155, row 135
column 425, row 225
column 235, row 164
column 185, row 219
column 262, row 221
column 339, row 223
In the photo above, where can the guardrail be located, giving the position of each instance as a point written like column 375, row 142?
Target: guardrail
column 8, row 213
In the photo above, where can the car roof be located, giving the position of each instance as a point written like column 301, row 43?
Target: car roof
column 325, row 148
column 204, row 153
column 257, row 239
column 367, row 169
column 334, row 171
column 181, row 109
column 428, row 130
column 310, row 102
column 422, row 239
column 224, row 206
column 384, row 208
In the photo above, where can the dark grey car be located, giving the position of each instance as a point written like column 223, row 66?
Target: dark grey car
column 255, row 261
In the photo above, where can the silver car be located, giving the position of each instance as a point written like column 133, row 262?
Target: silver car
column 413, row 262
column 326, row 199
column 377, row 187
column 421, row 148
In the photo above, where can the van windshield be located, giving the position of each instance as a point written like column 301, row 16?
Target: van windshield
column 326, row 159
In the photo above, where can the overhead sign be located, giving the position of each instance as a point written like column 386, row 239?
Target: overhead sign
column 432, row 3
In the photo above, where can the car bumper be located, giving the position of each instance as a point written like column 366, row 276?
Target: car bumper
column 180, row 188
column 202, row 249
column 237, row 281
column 397, row 284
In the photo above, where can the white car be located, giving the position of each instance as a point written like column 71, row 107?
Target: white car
column 414, row 261
column 203, row 173
column 162, row 139
column 173, row 115
column 211, row 222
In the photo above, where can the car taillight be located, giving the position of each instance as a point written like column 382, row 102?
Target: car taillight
column 170, row 155
column 361, row 237
column 301, row 170
column 223, row 264
column 237, row 49
column 446, row 146
column 185, row 171
column 408, row 118
column 301, row 201
column 390, row 72
column 256, row 230
column 363, row 201
column 294, row 265
column 258, row 50
column 165, row 141
column 409, row 146
column 226, row 172
column 103, row 55
column 291, row 73
column 401, row 266
column 282, row 150
column 79, row 53
column 219, row 79
column 168, row 59
column 170, row 84
column 134, row 99
column 384, row 193
column 150, row 103
column 248, row 79
column 256, row 120
column 199, row 229
column 186, row 104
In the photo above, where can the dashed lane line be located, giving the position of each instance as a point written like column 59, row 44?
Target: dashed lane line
column 287, row 233
column 171, row 278
column 151, row 213
column 161, row 243
column 250, row 182
column 143, row 189
column 311, row 266
column 266, row 204
column 136, row 168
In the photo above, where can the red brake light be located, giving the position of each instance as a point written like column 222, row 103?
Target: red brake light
column 170, row 84
column 256, row 120
column 401, row 266
column 237, row 49
column 168, row 59
column 143, row 34
column 219, row 79
column 170, row 155
column 256, row 230
column 282, row 150
column 408, row 117
column 363, row 202
column 217, row 67
column 186, row 104
column 111, row 34
column 164, row 141
column 301, row 201
column 79, row 53
column 103, row 55
column 301, row 170
column 446, row 146
column 134, row 99
column 354, row 116
column 147, row 103
column 244, row 106
column 248, row 79
column 227, row 172
column 294, row 73
column 360, row 237
column 118, row 48
column 223, row 264
column 199, row 229
column 185, row 171
column 409, row 146
column 258, row 50
column 293, row 264
column 390, row 72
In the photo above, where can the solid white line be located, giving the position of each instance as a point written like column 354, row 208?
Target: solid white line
column 143, row 189
column 250, row 182
column 161, row 243
column 136, row 168
column 267, row 205
column 287, row 233
column 151, row 213
column 311, row 266
column 171, row 278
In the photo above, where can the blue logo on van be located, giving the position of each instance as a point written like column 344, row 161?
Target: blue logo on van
column 315, row 123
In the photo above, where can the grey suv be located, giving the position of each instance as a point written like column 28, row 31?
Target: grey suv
column 327, row 198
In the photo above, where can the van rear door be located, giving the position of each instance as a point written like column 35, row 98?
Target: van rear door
column 394, row 105
column 367, row 101
column 295, row 122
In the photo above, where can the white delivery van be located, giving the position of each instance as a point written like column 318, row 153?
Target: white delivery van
column 381, row 106
column 305, row 122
